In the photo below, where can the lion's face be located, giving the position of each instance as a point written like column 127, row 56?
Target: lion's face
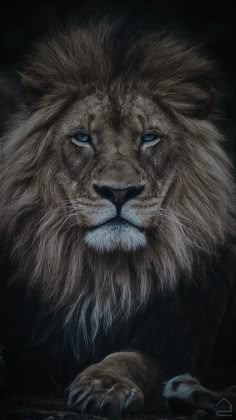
column 117, row 160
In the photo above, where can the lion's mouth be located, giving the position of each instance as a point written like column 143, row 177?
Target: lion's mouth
column 116, row 223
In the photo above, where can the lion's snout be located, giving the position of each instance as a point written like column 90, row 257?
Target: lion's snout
column 118, row 195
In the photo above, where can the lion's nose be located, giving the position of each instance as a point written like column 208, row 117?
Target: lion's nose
column 118, row 196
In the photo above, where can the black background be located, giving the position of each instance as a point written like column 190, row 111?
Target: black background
column 212, row 25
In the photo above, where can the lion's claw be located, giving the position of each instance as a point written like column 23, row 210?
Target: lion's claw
column 97, row 391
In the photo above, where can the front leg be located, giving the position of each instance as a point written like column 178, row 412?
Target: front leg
column 117, row 385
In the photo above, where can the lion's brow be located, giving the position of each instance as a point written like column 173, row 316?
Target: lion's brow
column 115, row 104
column 91, row 118
column 141, row 119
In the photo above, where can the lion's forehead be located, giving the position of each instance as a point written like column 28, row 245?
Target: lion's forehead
column 102, row 110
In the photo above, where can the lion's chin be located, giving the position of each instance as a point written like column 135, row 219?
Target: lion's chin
column 112, row 237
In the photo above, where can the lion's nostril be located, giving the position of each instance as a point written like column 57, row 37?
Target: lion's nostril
column 118, row 196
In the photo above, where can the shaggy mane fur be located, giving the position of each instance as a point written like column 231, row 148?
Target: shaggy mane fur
column 45, row 242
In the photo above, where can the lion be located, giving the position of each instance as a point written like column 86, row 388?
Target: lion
column 117, row 224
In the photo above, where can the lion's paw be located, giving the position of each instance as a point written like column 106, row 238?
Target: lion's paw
column 185, row 393
column 100, row 391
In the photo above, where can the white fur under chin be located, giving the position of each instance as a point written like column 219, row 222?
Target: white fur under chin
column 112, row 237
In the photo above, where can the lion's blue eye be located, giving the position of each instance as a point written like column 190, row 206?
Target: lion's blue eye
column 82, row 137
column 149, row 137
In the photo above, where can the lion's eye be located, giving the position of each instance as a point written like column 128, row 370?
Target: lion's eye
column 81, row 138
column 151, row 137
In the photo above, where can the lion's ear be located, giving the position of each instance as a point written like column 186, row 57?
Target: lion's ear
column 184, row 77
column 193, row 98
column 32, row 89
